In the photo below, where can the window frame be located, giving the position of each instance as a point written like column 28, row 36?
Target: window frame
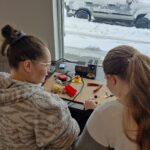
column 58, row 23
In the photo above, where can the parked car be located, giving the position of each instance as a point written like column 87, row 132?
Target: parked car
column 133, row 12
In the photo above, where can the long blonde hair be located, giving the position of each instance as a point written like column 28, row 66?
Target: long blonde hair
column 133, row 67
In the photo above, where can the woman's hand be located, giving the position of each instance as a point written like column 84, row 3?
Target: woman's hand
column 90, row 104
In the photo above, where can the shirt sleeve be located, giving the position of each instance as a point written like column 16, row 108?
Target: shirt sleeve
column 54, row 126
column 97, row 128
column 86, row 142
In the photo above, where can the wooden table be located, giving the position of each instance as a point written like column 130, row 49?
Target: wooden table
column 85, row 94
column 75, row 103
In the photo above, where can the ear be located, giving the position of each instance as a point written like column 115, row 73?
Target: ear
column 112, row 78
column 27, row 65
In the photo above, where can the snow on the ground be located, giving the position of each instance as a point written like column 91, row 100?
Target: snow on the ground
column 94, row 37
column 80, row 33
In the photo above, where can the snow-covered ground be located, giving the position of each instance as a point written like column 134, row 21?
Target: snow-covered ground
column 84, row 39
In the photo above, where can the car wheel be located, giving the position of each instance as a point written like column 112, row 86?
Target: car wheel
column 142, row 23
column 83, row 14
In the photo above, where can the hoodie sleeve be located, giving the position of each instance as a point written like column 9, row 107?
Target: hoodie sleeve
column 54, row 126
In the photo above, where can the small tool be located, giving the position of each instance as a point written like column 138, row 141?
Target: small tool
column 95, row 84
column 92, row 84
column 107, row 95
column 77, row 79
column 62, row 77
column 71, row 91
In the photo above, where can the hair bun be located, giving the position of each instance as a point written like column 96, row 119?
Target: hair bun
column 10, row 34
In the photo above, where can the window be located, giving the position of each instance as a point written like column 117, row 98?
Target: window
column 92, row 27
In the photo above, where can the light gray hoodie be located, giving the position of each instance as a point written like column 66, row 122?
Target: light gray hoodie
column 33, row 119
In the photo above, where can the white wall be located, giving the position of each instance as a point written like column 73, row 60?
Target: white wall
column 32, row 16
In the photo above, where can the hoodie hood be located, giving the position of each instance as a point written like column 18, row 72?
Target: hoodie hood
column 12, row 91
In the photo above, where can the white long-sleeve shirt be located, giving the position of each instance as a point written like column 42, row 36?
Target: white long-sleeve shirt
column 104, row 130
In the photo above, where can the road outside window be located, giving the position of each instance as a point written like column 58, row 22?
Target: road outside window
column 92, row 27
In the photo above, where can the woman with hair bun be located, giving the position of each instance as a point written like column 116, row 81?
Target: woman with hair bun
column 30, row 117
column 123, row 124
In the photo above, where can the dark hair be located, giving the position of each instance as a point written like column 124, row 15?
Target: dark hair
column 19, row 47
column 132, row 66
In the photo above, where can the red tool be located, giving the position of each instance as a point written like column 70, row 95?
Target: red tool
column 92, row 84
column 95, row 84
column 71, row 91
column 62, row 77
column 97, row 89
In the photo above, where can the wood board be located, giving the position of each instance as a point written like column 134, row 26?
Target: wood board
column 85, row 94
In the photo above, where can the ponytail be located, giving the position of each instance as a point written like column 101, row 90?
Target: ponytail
column 138, row 100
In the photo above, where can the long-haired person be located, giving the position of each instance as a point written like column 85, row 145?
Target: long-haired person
column 31, row 118
column 123, row 124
